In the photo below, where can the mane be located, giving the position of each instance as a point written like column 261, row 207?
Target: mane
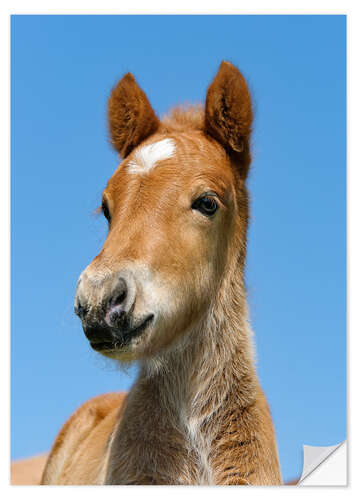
column 183, row 118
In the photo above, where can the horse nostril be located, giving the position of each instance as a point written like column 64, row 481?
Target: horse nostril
column 120, row 294
column 120, row 298
column 79, row 310
column 119, row 303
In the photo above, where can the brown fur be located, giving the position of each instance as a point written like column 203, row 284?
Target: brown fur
column 131, row 118
column 83, row 439
column 229, row 116
column 196, row 414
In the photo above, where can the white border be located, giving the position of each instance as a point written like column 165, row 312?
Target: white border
column 156, row 7
column 179, row 7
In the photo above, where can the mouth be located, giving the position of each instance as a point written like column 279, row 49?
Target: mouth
column 122, row 337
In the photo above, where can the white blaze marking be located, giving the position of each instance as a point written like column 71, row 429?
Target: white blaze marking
column 147, row 157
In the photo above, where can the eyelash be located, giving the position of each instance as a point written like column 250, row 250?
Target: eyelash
column 206, row 204
column 105, row 211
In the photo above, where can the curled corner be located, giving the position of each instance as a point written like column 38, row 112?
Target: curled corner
column 324, row 465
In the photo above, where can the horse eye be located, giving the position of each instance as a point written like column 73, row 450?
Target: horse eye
column 206, row 205
column 105, row 211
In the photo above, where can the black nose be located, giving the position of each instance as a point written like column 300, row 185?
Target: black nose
column 117, row 304
column 108, row 301
column 100, row 336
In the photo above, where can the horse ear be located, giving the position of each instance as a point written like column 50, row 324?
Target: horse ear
column 130, row 115
column 228, row 113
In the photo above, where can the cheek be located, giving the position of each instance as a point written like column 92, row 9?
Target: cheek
column 191, row 265
column 203, row 246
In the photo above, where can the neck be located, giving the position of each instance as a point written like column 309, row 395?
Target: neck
column 211, row 364
column 188, row 398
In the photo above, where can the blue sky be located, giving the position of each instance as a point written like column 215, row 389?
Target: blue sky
column 63, row 68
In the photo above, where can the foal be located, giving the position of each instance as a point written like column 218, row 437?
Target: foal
column 167, row 290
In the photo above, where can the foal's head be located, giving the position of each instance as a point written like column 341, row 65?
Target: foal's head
column 177, row 212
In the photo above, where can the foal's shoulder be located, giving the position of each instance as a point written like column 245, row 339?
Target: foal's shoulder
column 77, row 429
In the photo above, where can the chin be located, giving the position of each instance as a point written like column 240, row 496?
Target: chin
column 122, row 355
column 137, row 349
